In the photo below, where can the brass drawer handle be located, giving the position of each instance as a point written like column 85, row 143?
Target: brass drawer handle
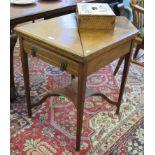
column 33, row 52
column 63, row 66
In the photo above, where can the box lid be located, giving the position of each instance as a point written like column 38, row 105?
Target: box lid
column 94, row 9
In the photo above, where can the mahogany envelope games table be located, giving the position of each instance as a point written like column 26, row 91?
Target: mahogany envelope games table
column 44, row 9
column 80, row 52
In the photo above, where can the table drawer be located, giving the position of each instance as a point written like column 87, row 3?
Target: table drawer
column 51, row 57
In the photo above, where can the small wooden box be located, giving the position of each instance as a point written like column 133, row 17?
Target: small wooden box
column 95, row 16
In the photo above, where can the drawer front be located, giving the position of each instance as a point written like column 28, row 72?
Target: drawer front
column 51, row 57
column 107, row 57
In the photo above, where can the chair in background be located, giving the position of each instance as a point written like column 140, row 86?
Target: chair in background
column 138, row 20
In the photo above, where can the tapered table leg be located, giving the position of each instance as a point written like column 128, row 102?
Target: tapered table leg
column 80, row 104
column 124, row 77
column 118, row 65
column 13, row 40
column 24, row 59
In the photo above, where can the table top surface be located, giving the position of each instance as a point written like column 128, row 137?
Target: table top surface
column 41, row 6
column 62, row 33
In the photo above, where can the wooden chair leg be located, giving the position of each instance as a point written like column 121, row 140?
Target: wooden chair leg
column 13, row 40
column 118, row 65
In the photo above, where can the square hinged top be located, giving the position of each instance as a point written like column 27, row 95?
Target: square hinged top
column 62, row 33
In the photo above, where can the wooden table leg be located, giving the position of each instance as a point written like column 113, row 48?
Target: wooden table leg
column 124, row 77
column 80, row 104
column 13, row 40
column 24, row 59
column 118, row 65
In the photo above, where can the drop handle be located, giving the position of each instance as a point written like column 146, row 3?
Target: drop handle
column 63, row 66
column 33, row 52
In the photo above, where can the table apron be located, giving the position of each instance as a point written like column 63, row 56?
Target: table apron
column 73, row 67
column 107, row 57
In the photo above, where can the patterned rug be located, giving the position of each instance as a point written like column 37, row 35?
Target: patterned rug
column 52, row 128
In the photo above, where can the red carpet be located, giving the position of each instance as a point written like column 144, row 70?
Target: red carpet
column 52, row 128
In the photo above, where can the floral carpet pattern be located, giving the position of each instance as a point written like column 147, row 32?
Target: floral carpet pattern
column 52, row 128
